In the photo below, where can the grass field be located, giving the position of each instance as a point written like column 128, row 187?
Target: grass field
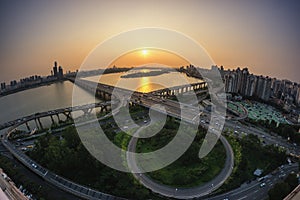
column 188, row 170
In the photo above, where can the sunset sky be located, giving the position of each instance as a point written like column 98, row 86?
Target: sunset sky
column 262, row 35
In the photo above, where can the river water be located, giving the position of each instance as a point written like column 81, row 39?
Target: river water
column 147, row 83
column 59, row 95
column 56, row 95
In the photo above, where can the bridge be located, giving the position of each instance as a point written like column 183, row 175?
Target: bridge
column 47, row 175
column 86, row 109
column 197, row 88
column 173, row 108
column 185, row 112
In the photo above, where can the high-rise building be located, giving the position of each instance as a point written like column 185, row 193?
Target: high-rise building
column 230, row 80
column 3, row 86
column 55, row 72
column 13, row 83
column 276, row 88
column 259, row 86
column 60, row 72
column 238, row 80
column 298, row 96
column 267, row 89
column 243, row 83
column 250, row 85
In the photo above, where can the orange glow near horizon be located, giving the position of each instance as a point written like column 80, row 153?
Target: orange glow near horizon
column 144, row 52
column 149, row 56
column 234, row 33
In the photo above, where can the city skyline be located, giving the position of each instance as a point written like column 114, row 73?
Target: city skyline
column 262, row 36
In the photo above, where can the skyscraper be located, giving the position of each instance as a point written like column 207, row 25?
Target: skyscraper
column 298, row 96
column 55, row 69
column 3, row 86
column 229, row 82
column 244, row 78
column 267, row 89
column 250, row 85
column 242, row 82
column 60, row 72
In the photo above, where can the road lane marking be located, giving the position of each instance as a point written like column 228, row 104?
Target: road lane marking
column 244, row 197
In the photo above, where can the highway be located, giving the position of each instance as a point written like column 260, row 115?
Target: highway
column 255, row 190
column 241, row 129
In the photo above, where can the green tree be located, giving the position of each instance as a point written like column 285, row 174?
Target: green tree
column 292, row 180
column 279, row 191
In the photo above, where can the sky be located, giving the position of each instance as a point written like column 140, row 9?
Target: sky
column 262, row 35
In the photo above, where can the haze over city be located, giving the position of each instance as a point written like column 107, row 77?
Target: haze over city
column 260, row 35
column 153, row 100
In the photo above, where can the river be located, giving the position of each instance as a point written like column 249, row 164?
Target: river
column 147, row 83
column 27, row 102
column 59, row 95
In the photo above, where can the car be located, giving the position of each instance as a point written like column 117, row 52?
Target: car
column 262, row 184
column 261, row 179
column 24, row 149
column 281, row 167
column 282, row 175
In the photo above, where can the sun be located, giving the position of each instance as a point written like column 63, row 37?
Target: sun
column 144, row 52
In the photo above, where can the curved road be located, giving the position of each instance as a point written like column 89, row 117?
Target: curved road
column 58, row 181
column 181, row 193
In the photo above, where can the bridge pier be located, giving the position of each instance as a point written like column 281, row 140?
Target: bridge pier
column 40, row 123
column 36, row 124
column 68, row 115
column 131, row 104
column 52, row 119
column 107, row 97
column 57, row 115
column 103, row 95
column 104, row 108
column 27, row 125
column 87, row 111
column 100, row 94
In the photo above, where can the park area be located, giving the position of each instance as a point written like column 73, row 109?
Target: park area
column 262, row 112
